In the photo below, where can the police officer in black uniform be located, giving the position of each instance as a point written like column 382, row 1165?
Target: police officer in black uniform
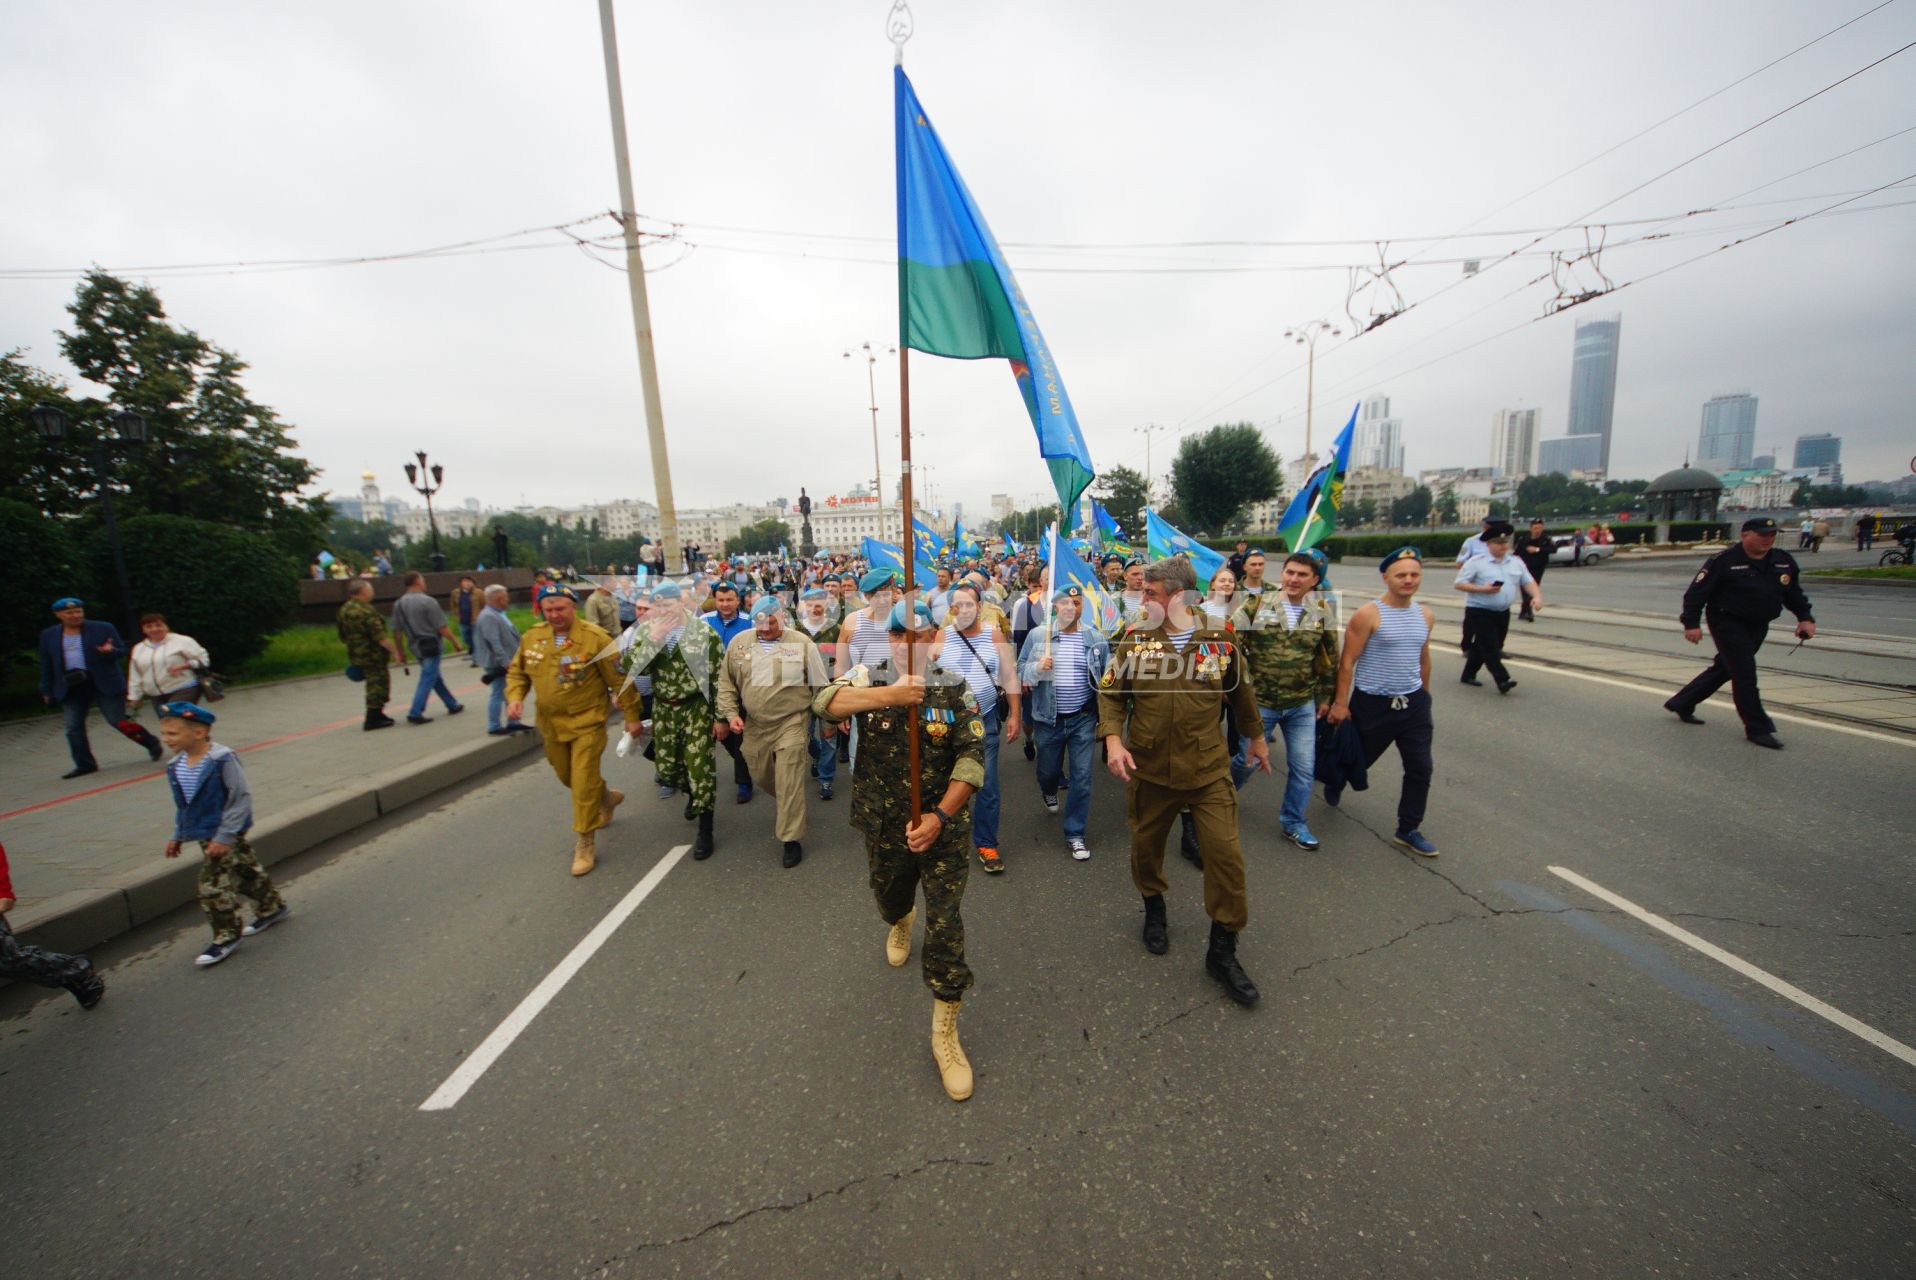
column 1534, row 549
column 1737, row 594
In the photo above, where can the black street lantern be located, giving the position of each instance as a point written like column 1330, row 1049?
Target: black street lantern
column 427, row 480
column 50, row 423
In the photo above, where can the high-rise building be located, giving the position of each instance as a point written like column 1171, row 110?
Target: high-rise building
column 1573, row 456
column 1763, row 462
column 1593, row 383
column 1513, row 443
column 1727, row 440
column 1379, row 439
column 1819, row 450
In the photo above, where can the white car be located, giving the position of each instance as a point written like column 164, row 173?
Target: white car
column 1566, row 551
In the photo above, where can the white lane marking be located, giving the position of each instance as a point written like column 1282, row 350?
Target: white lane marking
column 1901, row 740
column 1861, row 1030
column 468, row 1072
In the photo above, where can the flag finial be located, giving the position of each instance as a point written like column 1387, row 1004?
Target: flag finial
column 898, row 29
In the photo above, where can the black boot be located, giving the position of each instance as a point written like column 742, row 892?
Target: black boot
column 1157, row 940
column 702, row 847
column 1187, row 839
column 1221, row 963
column 378, row 720
column 690, row 812
column 794, row 854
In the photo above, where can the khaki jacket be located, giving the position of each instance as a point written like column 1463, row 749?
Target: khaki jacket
column 769, row 687
column 575, row 691
column 1167, row 705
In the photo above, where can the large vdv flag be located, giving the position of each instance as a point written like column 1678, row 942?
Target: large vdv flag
column 1165, row 539
column 1313, row 512
column 927, row 543
column 957, row 297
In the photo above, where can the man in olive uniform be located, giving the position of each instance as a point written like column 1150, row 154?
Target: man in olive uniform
column 565, row 659
column 1737, row 594
column 682, row 655
column 1168, row 684
column 934, row 852
column 370, row 648
column 769, row 677
column 818, row 618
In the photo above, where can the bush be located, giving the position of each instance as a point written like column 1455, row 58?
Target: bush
column 226, row 588
column 41, row 566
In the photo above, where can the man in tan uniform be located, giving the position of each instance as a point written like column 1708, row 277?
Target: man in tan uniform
column 768, row 678
column 561, row 658
column 1171, row 677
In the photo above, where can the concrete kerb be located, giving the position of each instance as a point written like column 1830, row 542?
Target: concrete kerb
column 1819, row 581
column 78, row 921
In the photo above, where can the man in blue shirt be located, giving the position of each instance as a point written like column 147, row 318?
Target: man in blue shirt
column 728, row 621
column 1494, row 581
column 79, row 669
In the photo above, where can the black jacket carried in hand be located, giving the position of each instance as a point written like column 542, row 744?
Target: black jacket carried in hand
column 1736, row 586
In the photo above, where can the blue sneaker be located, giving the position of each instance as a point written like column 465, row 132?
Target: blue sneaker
column 1416, row 843
column 215, row 953
column 265, row 922
column 1300, row 835
column 744, row 792
column 666, row 793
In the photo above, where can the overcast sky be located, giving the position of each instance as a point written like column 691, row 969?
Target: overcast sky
column 200, row 132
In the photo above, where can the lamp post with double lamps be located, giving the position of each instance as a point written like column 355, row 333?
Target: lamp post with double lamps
column 129, row 432
column 426, row 481
column 1306, row 335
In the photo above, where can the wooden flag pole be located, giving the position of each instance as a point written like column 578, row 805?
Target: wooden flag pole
column 906, row 539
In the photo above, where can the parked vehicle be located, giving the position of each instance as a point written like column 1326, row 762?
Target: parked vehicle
column 1566, row 551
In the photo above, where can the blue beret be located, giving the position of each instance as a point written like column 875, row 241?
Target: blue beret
column 67, row 602
column 766, row 607
column 1402, row 553
column 191, row 712
column 815, row 593
column 919, row 618
column 667, row 590
column 1322, row 561
column 1070, row 591
column 876, row 579
column 554, row 589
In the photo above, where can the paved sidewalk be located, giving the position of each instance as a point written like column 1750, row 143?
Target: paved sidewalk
column 87, row 854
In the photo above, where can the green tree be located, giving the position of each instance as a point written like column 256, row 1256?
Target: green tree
column 1217, row 474
column 1363, row 512
column 1125, row 495
column 41, row 564
column 762, row 538
column 1029, row 526
column 1447, row 504
column 225, row 587
column 1411, row 510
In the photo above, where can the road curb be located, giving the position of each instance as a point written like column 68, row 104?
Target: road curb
column 1819, row 581
column 78, row 921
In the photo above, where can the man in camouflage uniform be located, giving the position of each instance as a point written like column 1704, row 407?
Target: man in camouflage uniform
column 682, row 655
column 573, row 666
column 935, row 852
column 1290, row 637
column 369, row 647
column 1166, row 689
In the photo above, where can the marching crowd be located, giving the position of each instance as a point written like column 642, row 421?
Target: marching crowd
column 793, row 668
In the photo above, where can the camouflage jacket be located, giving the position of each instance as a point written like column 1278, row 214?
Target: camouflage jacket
column 1289, row 665
column 695, row 670
column 951, row 748
column 364, row 633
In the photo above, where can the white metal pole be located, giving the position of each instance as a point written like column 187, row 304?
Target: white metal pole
column 635, row 280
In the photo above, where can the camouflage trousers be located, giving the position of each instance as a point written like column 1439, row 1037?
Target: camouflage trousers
column 32, row 964
column 897, row 875
column 682, row 749
column 226, row 879
column 379, row 685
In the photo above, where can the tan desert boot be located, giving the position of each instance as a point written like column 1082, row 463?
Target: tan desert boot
column 610, row 800
column 953, row 1067
column 583, row 856
column 898, row 941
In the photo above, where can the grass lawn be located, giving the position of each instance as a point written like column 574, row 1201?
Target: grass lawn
column 309, row 649
column 1906, row 571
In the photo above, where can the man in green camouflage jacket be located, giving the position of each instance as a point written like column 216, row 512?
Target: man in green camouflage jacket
column 934, row 852
column 1290, row 636
column 369, row 647
column 682, row 655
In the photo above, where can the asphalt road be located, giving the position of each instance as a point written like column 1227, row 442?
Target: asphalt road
column 1466, row 1067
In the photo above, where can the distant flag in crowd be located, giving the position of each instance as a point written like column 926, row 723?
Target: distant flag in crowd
column 884, row 555
column 1100, row 605
column 962, row 543
column 957, row 296
column 1106, row 532
column 1164, row 539
column 1011, row 545
column 926, row 542
column 1313, row 512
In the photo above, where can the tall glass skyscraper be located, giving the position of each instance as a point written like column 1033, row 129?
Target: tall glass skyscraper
column 1593, row 384
column 1379, row 438
column 1819, row 450
column 1728, row 437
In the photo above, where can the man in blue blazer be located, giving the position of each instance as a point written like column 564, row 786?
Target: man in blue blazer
column 80, row 668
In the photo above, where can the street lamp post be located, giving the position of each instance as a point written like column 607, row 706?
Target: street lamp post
column 50, row 421
column 871, row 383
column 1306, row 335
column 1147, row 430
column 428, row 480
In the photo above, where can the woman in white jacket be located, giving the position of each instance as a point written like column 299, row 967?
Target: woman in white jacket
column 164, row 667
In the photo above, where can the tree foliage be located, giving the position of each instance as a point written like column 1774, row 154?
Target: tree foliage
column 1411, row 510
column 1125, row 494
column 1447, row 504
column 41, row 565
column 1217, row 474
column 226, row 588
column 763, row 538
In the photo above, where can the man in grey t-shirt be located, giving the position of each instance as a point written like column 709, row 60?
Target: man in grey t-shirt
column 419, row 621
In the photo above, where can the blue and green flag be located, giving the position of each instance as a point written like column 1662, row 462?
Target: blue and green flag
column 962, row 543
column 957, row 297
column 1313, row 512
column 927, row 543
column 1165, row 539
